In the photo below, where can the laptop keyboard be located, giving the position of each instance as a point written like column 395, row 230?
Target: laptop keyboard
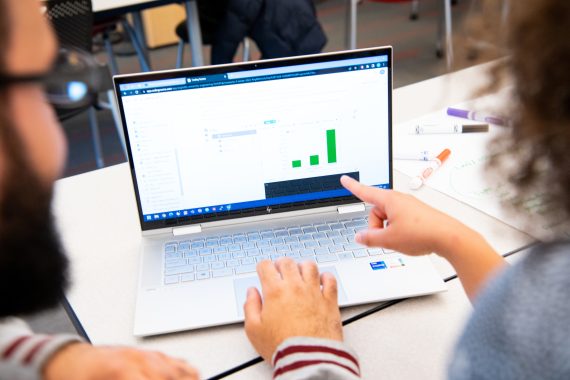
column 230, row 255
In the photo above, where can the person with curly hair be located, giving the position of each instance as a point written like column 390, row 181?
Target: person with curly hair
column 519, row 327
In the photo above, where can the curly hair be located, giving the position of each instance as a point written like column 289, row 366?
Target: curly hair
column 532, row 37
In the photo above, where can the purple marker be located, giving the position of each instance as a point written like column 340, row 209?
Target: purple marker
column 478, row 116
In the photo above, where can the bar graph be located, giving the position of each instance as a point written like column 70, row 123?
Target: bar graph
column 331, row 146
column 314, row 159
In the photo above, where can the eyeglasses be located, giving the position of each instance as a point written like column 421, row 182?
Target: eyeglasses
column 72, row 82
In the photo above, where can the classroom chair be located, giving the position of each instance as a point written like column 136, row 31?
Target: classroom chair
column 72, row 21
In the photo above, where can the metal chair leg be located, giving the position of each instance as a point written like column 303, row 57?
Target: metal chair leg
column 246, row 49
column 110, row 54
column 194, row 32
column 135, row 41
column 141, row 36
column 444, row 44
column 180, row 56
column 439, row 49
column 448, row 34
column 415, row 12
column 351, row 19
column 94, row 126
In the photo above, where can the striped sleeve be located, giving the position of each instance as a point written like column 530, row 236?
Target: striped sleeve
column 314, row 358
column 22, row 353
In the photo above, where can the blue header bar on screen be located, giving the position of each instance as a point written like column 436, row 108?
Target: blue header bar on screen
column 311, row 66
column 140, row 88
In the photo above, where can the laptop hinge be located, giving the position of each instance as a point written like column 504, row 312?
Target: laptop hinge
column 351, row 208
column 188, row 230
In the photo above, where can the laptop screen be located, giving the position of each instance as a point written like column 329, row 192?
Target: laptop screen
column 242, row 140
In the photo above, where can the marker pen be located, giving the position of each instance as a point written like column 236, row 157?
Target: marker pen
column 478, row 116
column 423, row 155
column 419, row 180
column 428, row 129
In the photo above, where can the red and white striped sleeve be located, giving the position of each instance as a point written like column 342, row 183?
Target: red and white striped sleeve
column 313, row 358
column 22, row 353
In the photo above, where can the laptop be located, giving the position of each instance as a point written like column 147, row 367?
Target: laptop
column 239, row 163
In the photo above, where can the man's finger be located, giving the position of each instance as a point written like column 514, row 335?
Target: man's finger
column 310, row 273
column 365, row 193
column 267, row 272
column 187, row 372
column 269, row 277
column 330, row 289
column 289, row 269
column 159, row 366
column 184, row 371
column 252, row 307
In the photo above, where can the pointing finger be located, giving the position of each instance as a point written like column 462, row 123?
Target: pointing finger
column 365, row 193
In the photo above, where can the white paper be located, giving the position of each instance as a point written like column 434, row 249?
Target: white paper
column 462, row 176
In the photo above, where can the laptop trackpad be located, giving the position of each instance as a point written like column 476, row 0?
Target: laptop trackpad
column 242, row 284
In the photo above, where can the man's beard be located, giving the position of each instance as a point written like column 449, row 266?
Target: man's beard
column 33, row 267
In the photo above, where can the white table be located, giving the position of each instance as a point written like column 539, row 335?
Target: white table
column 109, row 8
column 96, row 214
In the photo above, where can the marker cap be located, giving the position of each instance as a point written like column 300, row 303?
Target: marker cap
column 458, row 113
column 474, row 128
column 443, row 155
column 416, row 183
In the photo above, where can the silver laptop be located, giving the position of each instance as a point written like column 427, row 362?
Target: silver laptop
column 240, row 163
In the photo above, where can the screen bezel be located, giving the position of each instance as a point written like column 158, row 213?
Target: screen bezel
column 235, row 67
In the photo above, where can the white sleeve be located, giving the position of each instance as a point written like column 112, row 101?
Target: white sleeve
column 23, row 353
column 313, row 358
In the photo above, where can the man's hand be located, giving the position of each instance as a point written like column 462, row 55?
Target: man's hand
column 80, row 361
column 293, row 305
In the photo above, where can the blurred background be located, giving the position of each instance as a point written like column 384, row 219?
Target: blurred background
column 378, row 23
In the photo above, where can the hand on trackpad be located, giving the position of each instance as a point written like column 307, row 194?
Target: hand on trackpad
column 242, row 284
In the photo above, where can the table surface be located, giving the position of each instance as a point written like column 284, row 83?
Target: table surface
column 96, row 214
column 126, row 6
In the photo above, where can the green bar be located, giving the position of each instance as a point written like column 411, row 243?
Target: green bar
column 296, row 163
column 314, row 160
column 331, row 146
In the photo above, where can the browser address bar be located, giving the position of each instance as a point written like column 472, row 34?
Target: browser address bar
column 153, row 84
column 311, row 66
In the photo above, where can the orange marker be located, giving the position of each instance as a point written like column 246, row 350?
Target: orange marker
column 419, row 180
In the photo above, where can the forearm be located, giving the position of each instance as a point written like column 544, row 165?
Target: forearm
column 402, row 222
column 24, row 354
column 311, row 358
column 473, row 259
